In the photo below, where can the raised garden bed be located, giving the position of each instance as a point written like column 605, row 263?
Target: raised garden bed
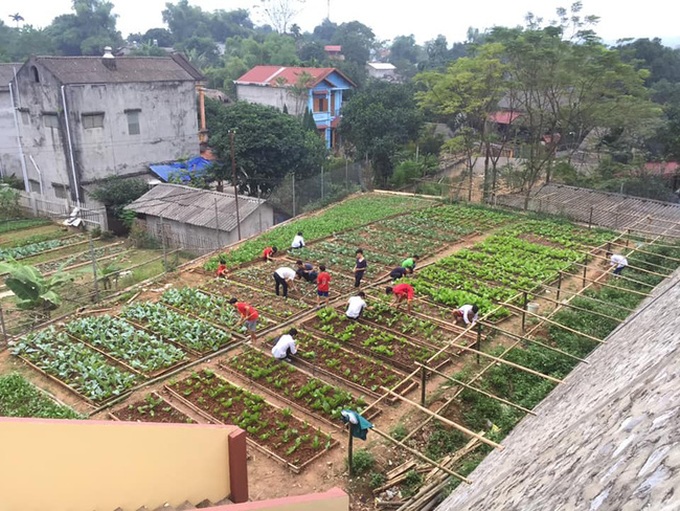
column 121, row 340
column 74, row 365
column 374, row 342
column 275, row 431
column 393, row 246
column 266, row 302
column 197, row 336
column 302, row 391
column 152, row 408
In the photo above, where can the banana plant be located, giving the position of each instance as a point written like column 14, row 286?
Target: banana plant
column 32, row 290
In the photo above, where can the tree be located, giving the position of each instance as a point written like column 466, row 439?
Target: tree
column 405, row 54
column 88, row 31
column 116, row 192
column 33, row 291
column 356, row 40
column 17, row 18
column 377, row 121
column 184, row 20
column 268, row 144
column 280, row 13
column 325, row 32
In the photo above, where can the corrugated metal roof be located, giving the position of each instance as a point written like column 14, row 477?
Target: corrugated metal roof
column 278, row 75
column 382, row 66
column 127, row 69
column 194, row 207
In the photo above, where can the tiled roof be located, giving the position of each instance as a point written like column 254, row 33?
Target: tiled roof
column 194, row 206
column 664, row 168
column 504, row 117
column 277, row 75
column 74, row 70
column 7, row 73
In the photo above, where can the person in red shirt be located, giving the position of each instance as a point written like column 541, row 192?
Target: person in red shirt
column 323, row 281
column 249, row 316
column 222, row 268
column 268, row 253
column 401, row 291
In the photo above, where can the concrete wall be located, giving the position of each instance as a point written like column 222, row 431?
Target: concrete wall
column 200, row 240
column 85, row 465
column 167, row 118
column 333, row 500
column 9, row 148
column 271, row 96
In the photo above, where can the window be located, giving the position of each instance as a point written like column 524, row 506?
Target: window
column 60, row 191
column 93, row 120
column 50, row 120
column 320, row 104
column 133, row 121
column 34, row 185
column 36, row 76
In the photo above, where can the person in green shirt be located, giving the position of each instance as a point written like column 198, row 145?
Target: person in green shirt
column 410, row 263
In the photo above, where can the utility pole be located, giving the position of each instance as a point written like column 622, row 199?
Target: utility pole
column 233, row 178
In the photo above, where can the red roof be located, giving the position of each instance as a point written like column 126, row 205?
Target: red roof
column 277, row 76
column 663, row 168
column 504, row 117
column 333, row 48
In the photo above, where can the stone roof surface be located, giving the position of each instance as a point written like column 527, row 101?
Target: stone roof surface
column 606, row 439
column 73, row 70
column 194, row 206
column 7, row 73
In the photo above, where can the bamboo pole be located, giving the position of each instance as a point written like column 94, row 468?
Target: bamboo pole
column 455, row 425
column 534, row 341
column 483, row 392
column 421, row 456
column 636, row 268
column 614, row 287
column 581, row 295
column 581, row 309
column 623, row 277
column 559, row 325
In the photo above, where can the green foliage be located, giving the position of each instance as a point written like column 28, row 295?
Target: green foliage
column 33, row 291
column 411, row 484
column 268, row 144
column 362, row 461
column 117, row 191
column 399, row 431
column 9, row 202
column 376, row 479
column 378, row 120
column 443, row 441
column 19, row 398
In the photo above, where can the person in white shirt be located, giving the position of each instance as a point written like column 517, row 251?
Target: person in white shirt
column 285, row 277
column 285, row 346
column 617, row 260
column 356, row 306
column 298, row 241
column 467, row 313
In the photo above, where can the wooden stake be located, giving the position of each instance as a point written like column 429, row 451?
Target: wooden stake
column 421, row 456
column 350, row 448
column 470, row 387
column 585, row 269
column 463, row 429
column 423, row 383
column 559, row 285
column 575, row 293
column 524, row 309
column 566, row 304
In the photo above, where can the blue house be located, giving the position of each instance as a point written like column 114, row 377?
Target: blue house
column 296, row 89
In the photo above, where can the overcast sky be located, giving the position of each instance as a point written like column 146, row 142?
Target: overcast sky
column 388, row 18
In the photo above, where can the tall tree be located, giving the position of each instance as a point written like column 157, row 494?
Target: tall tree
column 281, row 13
column 88, row 31
column 268, row 144
column 377, row 121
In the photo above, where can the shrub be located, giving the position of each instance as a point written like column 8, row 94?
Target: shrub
column 362, row 461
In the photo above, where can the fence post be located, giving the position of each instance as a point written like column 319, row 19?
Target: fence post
column 2, row 325
column 559, row 286
column 423, row 385
column 585, row 269
column 94, row 270
column 524, row 311
column 479, row 340
column 350, row 448
column 163, row 244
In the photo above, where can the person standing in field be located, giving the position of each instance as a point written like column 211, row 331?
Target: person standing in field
column 410, row 263
column 284, row 277
column 356, row 306
column 359, row 267
column 298, row 241
column 618, row 261
column 467, row 314
column 268, row 253
column 249, row 316
column 323, row 281
column 285, row 347
column 401, row 292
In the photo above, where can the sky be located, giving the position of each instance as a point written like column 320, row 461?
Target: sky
column 425, row 19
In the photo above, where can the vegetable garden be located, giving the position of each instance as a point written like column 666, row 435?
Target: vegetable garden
column 291, row 411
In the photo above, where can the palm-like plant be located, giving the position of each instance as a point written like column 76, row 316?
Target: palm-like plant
column 17, row 18
column 33, row 291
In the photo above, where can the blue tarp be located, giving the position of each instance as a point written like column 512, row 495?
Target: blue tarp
column 182, row 169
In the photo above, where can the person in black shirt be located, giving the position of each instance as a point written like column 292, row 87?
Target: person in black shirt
column 398, row 273
column 359, row 267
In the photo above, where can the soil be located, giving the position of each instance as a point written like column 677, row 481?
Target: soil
column 273, row 429
column 153, row 410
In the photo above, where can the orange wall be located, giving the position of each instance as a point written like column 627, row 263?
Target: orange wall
column 86, row 465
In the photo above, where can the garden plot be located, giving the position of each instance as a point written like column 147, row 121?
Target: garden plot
column 197, row 336
column 264, row 301
column 261, row 276
column 275, row 431
column 71, row 363
column 40, row 247
column 339, row 255
column 298, row 389
column 152, row 408
column 81, row 258
column 365, row 374
column 214, row 309
column 395, row 350
column 466, row 217
column 20, row 224
column 390, row 247
column 421, row 227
